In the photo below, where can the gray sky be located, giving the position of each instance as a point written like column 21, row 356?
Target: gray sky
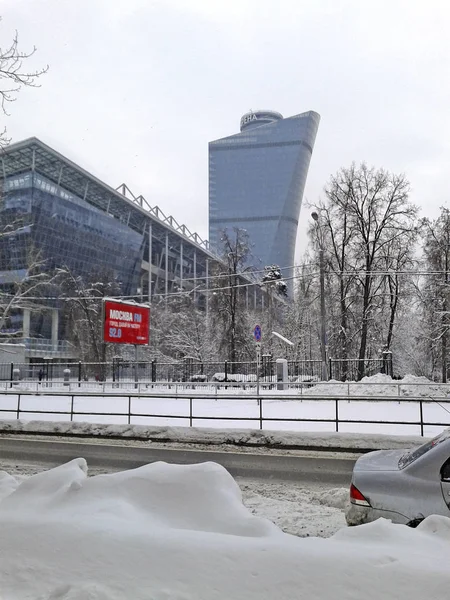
column 137, row 88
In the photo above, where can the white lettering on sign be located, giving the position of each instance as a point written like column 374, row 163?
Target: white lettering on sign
column 247, row 118
column 120, row 315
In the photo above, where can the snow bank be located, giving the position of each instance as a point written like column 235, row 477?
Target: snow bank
column 382, row 385
column 181, row 533
column 238, row 437
column 234, row 378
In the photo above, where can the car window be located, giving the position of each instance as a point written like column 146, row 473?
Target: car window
column 411, row 456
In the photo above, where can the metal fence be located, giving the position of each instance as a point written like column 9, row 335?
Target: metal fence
column 190, row 370
column 197, row 409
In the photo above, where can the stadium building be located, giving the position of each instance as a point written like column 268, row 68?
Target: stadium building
column 72, row 220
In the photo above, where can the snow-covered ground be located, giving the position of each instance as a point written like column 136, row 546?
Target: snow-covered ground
column 297, row 411
column 233, row 439
column 182, row 533
column 374, row 385
column 236, row 412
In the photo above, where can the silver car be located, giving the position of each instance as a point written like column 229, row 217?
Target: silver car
column 403, row 486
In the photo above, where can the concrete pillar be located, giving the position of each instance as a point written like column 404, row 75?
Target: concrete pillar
column 181, row 266
column 282, row 374
column 207, row 290
column 166, row 288
column 150, row 259
column 195, row 276
column 26, row 323
column 55, row 323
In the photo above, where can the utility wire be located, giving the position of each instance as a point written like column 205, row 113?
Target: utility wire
column 212, row 290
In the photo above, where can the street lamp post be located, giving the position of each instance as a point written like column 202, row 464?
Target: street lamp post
column 323, row 313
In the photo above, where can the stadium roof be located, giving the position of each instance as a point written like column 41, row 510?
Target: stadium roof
column 32, row 154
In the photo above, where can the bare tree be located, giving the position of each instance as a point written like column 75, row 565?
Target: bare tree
column 24, row 290
column 435, row 294
column 227, row 305
column 366, row 216
column 184, row 331
column 301, row 320
column 83, row 310
column 14, row 76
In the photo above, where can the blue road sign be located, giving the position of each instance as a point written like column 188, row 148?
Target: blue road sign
column 257, row 333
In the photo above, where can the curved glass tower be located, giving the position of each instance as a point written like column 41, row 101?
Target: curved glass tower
column 256, row 183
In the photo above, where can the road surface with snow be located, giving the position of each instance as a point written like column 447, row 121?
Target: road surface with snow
column 318, row 468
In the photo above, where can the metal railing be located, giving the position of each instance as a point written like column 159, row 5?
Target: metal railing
column 188, row 370
column 194, row 408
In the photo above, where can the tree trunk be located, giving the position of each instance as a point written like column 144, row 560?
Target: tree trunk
column 364, row 325
column 343, row 332
column 393, row 303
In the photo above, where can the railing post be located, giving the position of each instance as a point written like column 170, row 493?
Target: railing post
column 71, row 408
column 79, row 373
column 337, row 414
column 190, row 412
column 129, row 410
column 226, row 370
column 260, row 413
column 330, row 370
column 11, row 376
column 421, row 417
column 18, row 407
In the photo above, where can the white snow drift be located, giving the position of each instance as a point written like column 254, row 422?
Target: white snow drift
column 174, row 532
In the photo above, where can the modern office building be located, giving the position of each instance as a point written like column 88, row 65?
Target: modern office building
column 256, row 183
column 67, row 218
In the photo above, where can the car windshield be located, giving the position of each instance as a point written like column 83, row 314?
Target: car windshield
column 413, row 455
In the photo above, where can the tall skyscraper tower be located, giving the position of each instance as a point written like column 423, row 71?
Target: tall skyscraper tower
column 256, row 183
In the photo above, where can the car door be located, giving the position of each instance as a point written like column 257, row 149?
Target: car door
column 445, row 481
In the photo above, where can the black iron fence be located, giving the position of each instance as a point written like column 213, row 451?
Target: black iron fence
column 190, row 370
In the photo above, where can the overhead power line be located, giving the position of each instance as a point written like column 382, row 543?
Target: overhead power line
column 212, row 290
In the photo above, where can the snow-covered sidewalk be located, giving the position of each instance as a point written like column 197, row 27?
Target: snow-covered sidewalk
column 182, row 533
column 253, row 439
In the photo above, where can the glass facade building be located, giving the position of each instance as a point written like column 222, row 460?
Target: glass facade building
column 54, row 211
column 64, row 231
column 44, row 223
column 256, row 183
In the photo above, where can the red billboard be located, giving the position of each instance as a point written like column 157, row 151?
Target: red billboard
column 125, row 322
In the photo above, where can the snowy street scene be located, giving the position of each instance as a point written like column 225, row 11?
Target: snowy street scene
column 224, row 300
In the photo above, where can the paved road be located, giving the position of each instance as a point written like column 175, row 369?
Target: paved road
column 336, row 471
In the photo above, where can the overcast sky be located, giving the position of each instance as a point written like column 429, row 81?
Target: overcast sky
column 137, row 88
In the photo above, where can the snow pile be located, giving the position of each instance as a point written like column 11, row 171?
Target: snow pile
column 382, row 385
column 335, row 497
column 289, row 440
column 234, row 378
column 181, row 533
